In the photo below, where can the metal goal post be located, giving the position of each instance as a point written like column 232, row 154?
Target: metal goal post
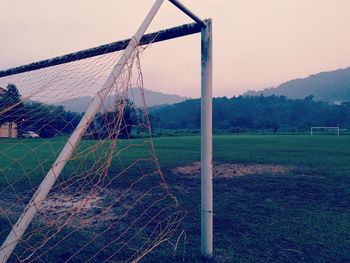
column 129, row 45
column 324, row 128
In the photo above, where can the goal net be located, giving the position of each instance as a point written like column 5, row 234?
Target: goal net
column 110, row 202
column 324, row 131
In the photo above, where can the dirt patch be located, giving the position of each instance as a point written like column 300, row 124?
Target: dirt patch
column 233, row 170
column 86, row 210
column 64, row 203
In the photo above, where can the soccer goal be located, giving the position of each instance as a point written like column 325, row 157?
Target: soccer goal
column 325, row 130
column 84, row 183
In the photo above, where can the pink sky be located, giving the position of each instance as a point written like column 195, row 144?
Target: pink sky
column 257, row 44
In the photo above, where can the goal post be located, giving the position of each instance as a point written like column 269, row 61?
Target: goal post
column 206, row 143
column 23, row 222
column 205, row 28
column 336, row 129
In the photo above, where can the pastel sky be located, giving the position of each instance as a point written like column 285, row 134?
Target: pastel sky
column 257, row 43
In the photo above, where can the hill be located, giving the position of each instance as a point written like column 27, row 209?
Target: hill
column 332, row 87
column 251, row 113
column 153, row 98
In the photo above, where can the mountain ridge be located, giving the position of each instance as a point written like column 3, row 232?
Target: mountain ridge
column 328, row 86
column 153, row 98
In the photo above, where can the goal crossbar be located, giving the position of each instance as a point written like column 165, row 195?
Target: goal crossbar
column 162, row 35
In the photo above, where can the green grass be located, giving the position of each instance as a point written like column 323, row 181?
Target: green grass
column 301, row 217
column 269, row 218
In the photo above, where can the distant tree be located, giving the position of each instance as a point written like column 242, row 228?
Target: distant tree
column 345, row 112
column 49, row 120
column 11, row 106
column 12, row 95
column 310, row 98
column 116, row 123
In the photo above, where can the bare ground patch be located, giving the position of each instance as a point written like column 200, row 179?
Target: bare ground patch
column 233, row 170
column 86, row 210
column 94, row 209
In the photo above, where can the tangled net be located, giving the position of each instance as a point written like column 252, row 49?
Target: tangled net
column 111, row 202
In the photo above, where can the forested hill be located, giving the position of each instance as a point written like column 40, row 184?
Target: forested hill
column 332, row 87
column 152, row 98
column 255, row 113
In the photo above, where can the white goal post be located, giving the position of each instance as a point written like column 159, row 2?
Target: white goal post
column 204, row 27
column 325, row 128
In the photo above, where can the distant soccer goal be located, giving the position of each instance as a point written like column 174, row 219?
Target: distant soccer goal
column 80, row 179
column 324, row 130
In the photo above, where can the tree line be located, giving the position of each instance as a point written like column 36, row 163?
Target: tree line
column 236, row 114
column 47, row 120
column 50, row 120
column 253, row 113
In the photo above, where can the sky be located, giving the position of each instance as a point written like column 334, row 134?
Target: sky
column 256, row 43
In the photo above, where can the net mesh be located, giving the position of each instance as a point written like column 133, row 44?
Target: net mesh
column 111, row 202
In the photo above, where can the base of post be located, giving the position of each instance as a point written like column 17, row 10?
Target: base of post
column 207, row 259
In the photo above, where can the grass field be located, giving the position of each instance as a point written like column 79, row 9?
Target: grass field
column 302, row 215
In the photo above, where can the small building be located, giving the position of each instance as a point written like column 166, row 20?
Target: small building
column 8, row 130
